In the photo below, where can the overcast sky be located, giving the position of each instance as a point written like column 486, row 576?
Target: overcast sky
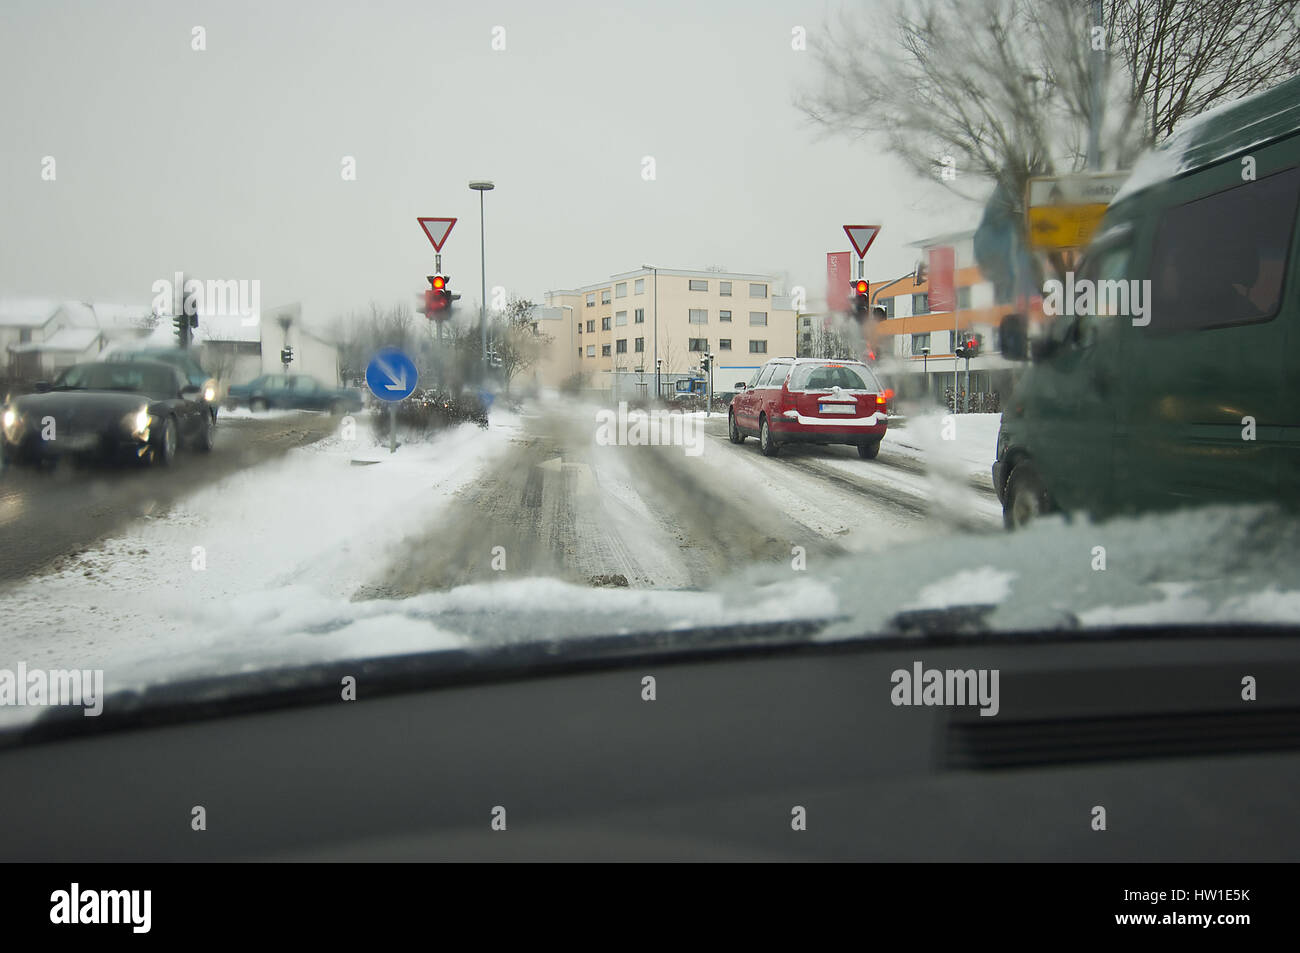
column 226, row 163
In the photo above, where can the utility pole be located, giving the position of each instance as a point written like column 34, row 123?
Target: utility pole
column 1097, row 69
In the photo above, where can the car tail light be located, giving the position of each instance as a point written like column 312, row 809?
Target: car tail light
column 882, row 402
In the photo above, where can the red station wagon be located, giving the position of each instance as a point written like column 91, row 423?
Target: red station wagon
column 808, row 400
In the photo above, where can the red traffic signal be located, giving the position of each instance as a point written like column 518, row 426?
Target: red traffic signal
column 437, row 300
column 861, row 286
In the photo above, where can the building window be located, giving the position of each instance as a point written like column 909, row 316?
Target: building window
column 604, row 324
column 604, row 296
column 620, row 346
column 697, row 344
column 591, row 300
column 920, row 342
column 639, row 345
column 757, row 291
column 757, row 347
column 639, row 287
column 963, row 298
column 620, row 290
column 620, row 318
column 724, row 344
column 921, row 303
column 698, row 316
column 724, row 288
column 807, row 322
column 758, row 319
column 591, row 350
column 696, row 284
column 724, row 315
column 580, row 327
column 591, row 327
column 888, row 305
column 639, row 316
column 604, row 350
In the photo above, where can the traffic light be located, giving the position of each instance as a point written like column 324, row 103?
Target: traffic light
column 705, row 361
column 968, row 347
column 286, row 356
column 182, row 325
column 861, row 290
column 437, row 300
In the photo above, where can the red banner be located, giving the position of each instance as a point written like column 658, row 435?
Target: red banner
column 838, row 277
column 943, row 297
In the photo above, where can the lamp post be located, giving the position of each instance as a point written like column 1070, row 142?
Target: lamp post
column 480, row 187
column 658, row 391
column 925, row 367
column 568, row 307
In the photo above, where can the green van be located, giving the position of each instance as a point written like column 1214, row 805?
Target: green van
column 1176, row 380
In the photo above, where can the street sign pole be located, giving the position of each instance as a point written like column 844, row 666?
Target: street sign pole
column 391, row 376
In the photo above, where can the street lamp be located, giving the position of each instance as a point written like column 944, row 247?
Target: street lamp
column 481, row 187
column 569, row 307
column 925, row 367
column 658, row 391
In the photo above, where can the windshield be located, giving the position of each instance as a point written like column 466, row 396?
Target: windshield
column 827, row 376
column 132, row 378
column 475, row 319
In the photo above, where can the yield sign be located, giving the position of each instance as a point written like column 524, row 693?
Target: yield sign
column 437, row 229
column 862, row 236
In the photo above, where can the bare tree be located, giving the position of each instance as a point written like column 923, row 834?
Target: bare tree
column 973, row 92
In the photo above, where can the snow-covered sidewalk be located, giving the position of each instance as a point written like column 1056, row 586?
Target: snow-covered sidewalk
column 318, row 521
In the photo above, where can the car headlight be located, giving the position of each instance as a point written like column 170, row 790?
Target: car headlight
column 137, row 422
column 209, row 390
column 12, row 423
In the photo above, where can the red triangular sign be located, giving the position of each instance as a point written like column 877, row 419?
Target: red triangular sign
column 437, row 229
column 862, row 236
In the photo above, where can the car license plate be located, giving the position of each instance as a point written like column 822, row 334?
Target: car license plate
column 838, row 408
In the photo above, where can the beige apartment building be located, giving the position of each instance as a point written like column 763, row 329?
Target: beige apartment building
column 606, row 332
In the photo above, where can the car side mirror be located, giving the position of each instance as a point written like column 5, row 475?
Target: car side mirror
column 1013, row 334
column 740, row 385
column 1042, row 348
column 41, row 387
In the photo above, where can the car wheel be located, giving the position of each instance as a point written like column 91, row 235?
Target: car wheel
column 869, row 449
column 164, row 451
column 257, row 405
column 1026, row 497
column 733, row 432
column 207, row 433
column 769, row 446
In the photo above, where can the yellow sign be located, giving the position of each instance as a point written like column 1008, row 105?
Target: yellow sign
column 1064, row 211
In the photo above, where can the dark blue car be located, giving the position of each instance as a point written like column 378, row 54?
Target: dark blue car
column 292, row 392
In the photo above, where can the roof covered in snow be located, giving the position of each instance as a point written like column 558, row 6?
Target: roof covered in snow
column 1218, row 133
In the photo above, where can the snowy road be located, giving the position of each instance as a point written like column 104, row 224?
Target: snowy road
column 243, row 547
column 561, row 505
column 45, row 517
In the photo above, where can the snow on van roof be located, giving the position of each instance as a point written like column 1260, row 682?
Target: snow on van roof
column 1216, row 134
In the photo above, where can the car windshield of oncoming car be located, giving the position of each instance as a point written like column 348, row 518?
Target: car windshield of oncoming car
column 134, row 378
column 816, row 377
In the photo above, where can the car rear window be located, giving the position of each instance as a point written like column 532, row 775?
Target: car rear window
column 827, row 376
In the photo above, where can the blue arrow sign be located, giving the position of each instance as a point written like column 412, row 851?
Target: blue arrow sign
column 391, row 375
